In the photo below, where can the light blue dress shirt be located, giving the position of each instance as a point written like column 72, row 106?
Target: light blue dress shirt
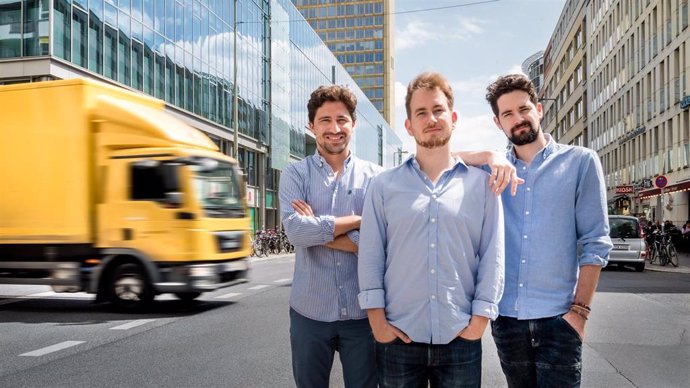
column 324, row 285
column 431, row 255
column 556, row 223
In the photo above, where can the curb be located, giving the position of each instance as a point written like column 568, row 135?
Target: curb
column 668, row 268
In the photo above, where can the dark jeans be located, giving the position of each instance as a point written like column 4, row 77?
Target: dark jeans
column 314, row 344
column 543, row 352
column 457, row 364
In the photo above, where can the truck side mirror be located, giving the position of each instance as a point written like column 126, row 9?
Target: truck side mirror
column 174, row 198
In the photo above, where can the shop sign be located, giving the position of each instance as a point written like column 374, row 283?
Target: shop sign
column 251, row 196
column 625, row 189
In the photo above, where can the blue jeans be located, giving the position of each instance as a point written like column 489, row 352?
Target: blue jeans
column 544, row 352
column 414, row 365
column 314, row 344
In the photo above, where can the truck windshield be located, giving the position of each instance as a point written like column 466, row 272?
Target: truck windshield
column 218, row 191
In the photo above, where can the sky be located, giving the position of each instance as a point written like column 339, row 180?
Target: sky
column 471, row 46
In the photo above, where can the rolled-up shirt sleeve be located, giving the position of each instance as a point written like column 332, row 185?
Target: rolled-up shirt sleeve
column 372, row 249
column 302, row 231
column 591, row 215
column 491, row 270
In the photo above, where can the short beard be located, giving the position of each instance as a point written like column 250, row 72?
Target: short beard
column 433, row 143
column 527, row 137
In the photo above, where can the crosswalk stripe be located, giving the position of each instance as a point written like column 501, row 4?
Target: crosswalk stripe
column 132, row 324
column 260, row 286
column 285, row 280
column 230, row 295
column 51, row 349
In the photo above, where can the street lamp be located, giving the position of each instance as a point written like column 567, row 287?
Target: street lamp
column 400, row 153
column 235, row 124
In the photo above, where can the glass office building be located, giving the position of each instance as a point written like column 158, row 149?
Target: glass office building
column 182, row 51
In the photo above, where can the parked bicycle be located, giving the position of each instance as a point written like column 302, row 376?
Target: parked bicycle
column 270, row 241
column 662, row 251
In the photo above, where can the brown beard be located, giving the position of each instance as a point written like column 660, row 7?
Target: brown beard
column 433, row 143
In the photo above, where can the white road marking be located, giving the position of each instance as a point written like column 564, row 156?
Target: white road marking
column 260, row 286
column 132, row 324
column 51, row 349
column 230, row 295
column 42, row 295
column 285, row 280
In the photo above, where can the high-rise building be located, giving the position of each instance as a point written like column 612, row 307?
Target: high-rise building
column 183, row 52
column 638, row 99
column 533, row 67
column 617, row 80
column 360, row 34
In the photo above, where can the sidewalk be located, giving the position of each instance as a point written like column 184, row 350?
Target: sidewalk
column 683, row 265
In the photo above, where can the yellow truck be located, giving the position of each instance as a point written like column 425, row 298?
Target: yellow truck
column 103, row 191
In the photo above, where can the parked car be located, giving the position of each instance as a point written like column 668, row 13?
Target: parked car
column 629, row 246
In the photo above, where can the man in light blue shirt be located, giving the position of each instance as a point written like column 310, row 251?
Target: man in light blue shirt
column 556, row 244
column 431, row 253
column 321, row 200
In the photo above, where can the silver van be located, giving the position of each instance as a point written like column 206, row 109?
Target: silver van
column 629, row 246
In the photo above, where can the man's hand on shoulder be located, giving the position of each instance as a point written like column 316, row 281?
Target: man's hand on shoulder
column 503, row 173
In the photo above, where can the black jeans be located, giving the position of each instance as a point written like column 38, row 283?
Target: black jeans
column 544, row 352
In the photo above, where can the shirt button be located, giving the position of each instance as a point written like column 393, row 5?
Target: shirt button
column 524, row 167
column 433, row 220
column 341, row 287
column 433, row 271
column 527, row 212
column 528, row 189
column 524, row 261
column 520, row 284
column 525, row 236
column 435, row 195
column 433, row 297
column 432, row 245
column 338, row 263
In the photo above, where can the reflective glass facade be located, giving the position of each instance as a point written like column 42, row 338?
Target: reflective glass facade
column 181, row 51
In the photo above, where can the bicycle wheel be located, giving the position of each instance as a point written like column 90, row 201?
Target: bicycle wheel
column 653, row 254
column 672, row 255
column 663, row 256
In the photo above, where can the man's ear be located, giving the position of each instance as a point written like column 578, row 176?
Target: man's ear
column 498, row 123
column 408, row 127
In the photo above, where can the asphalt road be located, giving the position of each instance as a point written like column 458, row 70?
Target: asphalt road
column 238, row 337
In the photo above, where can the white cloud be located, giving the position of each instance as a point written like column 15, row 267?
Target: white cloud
column 478, row 133
column 400, row 93
column 418, row 33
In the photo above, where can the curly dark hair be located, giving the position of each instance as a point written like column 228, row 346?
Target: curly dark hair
column 506, row 84
column 332, row 93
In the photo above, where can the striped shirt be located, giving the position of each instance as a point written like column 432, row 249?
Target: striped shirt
column 324, row 286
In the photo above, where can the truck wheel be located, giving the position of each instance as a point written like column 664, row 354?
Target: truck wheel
column 187, row 296
column 129, row 288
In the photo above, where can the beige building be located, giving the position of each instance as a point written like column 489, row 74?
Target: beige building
column 564, row 92
column 360, row 34
column 638, row 92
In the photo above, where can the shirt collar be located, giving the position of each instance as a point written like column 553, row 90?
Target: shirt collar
column 550, row 148
column 320, row 161
column 412, row 161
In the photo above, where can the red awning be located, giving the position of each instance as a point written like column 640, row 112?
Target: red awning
column 682, row 186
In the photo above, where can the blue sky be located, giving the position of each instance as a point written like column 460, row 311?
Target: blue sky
column 471, row 46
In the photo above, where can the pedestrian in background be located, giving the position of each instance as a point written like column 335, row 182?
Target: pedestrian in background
column 431, row 253
column 556, row 244
column 322, row 197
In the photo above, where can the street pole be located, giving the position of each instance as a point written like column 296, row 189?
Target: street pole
column 235, row 118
